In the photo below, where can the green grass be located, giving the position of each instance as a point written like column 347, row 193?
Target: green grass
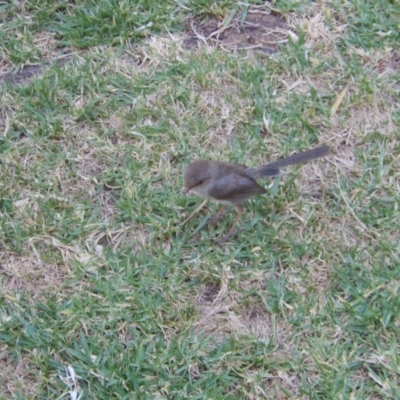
column 105, row 293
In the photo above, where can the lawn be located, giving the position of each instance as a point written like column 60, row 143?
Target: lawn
column 113, row 286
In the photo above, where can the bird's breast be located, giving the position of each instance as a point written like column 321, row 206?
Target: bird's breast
column 203, row 192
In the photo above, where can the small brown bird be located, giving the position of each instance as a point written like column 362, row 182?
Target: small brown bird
column 233, row 184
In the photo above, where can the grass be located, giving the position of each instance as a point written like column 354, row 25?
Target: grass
column 107, row 293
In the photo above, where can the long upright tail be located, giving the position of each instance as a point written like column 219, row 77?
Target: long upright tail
column 273, row 169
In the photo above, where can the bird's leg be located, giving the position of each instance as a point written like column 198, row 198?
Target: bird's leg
column 217, row 216
column 240, row 209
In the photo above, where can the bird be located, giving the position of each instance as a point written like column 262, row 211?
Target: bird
column 232, row 184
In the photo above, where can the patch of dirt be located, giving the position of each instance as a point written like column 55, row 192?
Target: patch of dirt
column 259, row 30
column 30, row 71
column 209, row 293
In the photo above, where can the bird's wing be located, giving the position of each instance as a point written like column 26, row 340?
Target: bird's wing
column 235, row 188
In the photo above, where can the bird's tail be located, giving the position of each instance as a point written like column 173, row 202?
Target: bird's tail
column 273, row 169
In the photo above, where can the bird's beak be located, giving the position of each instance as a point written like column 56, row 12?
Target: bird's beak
column 185, row 190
